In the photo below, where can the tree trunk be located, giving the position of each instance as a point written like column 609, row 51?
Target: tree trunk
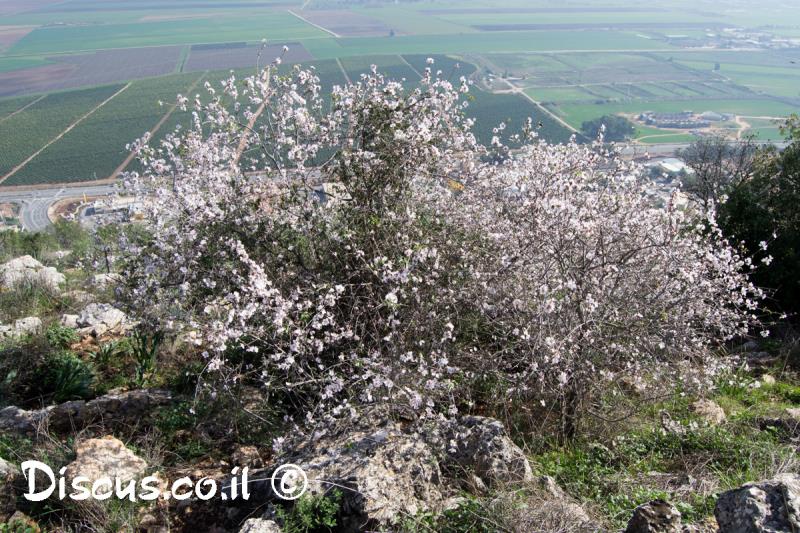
column 569, row 414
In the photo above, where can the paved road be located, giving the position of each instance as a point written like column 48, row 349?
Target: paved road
column 34, row 203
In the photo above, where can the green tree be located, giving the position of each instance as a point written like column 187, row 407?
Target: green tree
column 766, row 209
column 617, row 128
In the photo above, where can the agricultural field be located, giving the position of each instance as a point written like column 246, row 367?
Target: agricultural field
column 393, row 67
column 14, row 105
column 277, row 26
column 128, row 116
column 524, row 57
column 24, row 133
column 240, row 55
column 576, row 114
column 94, row 68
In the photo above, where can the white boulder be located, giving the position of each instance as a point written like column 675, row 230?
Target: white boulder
column 26, row 269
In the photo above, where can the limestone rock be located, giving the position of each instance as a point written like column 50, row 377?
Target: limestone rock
column 387, row 473
column 709, row 411
column 389, row 470
column 760, row 360
column 114, row 406
column 21, row 327
column 481, row 446
column 656, row 516
column 8, row 473
column 259, row 525
column 106, row 457
column 104, row 281
column 771, row 506
column 21, row 522
column 69, row 321
column 26, row 269
column 98, row 319
column 788, row 424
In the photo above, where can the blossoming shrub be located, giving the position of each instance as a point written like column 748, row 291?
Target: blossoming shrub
column 426, row 261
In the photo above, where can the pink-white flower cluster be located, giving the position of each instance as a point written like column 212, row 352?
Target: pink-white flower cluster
column 361, row 247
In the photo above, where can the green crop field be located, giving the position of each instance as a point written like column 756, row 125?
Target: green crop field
column 275, row 26
column 559, row 94
column 8, row 64
column 477, row 43
column 12, row 105
column 26, row 132
column 393, row 67
column 412, row 22
column 128, row 116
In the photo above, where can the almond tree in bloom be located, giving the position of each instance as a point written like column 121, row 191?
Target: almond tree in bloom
column 430, row 261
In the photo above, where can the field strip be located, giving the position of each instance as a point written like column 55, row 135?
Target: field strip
column 23, row 108
column 60, row 135
column 517, row 90
column 403, row 59
column 600, row 84
column 344, row 71
column 153, row 130
column 326, row 30
column 547, row 111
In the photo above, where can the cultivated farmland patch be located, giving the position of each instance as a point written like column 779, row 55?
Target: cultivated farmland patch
column 392, row 67
column 12, row 7
column 97, row 68
column 107, row 131
column 242, row 55
column 26, row 132
column 349, row 23
column 11, row 34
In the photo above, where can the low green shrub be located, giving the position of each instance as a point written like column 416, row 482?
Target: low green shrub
column 61, row 336
column 312, row 513
column 67, row 377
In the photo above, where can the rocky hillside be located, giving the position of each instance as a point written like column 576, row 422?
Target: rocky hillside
column 83, row 389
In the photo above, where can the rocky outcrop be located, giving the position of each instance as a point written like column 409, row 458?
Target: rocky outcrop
column 481, row 447
column 8, row 474
column 387, row 470
column 107, row 457
column 26, row 269
column 787, row 424
column 99, row 319
column 771, row 506
column 709, row 411
column 23, row 326
column 259, row 525
column 112, row 407
column 657, row 516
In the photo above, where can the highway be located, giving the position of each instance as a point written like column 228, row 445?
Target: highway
column 34, row 203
